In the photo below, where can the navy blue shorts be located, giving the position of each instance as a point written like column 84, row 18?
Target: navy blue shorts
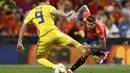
column 92, row 41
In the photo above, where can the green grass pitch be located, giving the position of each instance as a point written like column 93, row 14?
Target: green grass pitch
column 82, row 69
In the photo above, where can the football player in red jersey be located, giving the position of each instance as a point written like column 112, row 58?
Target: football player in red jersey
column 96, row 37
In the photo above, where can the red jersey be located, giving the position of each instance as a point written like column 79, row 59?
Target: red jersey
column 100, row 32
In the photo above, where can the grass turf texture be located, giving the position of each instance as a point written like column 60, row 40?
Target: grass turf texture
column 82, row 69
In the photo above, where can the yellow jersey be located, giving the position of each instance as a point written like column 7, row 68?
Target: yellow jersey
column 42, row 18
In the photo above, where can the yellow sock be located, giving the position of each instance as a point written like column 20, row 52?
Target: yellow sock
column 94, row 57
column 79, row 47
column 45, row 62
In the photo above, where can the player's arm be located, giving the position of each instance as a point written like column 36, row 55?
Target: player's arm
column 83, row 9
column 60, row 13
column 27, row 21
column 102, row 45
column 102, row 42
column 22, row 30
column 20, row 47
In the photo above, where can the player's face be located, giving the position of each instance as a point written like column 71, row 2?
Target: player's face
column 90, row 25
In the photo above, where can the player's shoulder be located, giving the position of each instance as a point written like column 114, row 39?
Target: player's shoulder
column 100, row 26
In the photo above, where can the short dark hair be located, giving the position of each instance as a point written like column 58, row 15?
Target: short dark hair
column 91, row 18
column 43, row 0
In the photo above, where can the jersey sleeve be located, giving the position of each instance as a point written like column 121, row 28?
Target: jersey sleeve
column 100, row 33
column 51, row 8
column 85, row 15
column 101, row 30
column 28, row 18
column 101, row 36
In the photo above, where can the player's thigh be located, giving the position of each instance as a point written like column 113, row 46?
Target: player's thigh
column 44, row 46
column 43, row 50
column 64, row 39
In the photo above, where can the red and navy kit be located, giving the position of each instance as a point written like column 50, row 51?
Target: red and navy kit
column 93, row 38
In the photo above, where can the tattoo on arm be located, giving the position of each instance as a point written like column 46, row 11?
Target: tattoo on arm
column 102, row 45
column 83, row 9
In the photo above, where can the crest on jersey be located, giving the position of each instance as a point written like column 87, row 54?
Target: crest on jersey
column 102, row 36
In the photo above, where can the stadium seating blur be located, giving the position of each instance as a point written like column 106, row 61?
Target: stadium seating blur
column 115, row 14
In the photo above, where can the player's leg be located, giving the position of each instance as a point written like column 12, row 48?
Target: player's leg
column 41, row 53
column 102, row 58
column 42, row 60
column 43, row 48
column 66, row 40
column 83, row 58
column 45, row 62
column 97, row 54
column 79, row 62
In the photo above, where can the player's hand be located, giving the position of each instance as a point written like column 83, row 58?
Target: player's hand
column 74, row 17
column 69, row 14
column 84, row 43
column 86, row 46
column 20, row 48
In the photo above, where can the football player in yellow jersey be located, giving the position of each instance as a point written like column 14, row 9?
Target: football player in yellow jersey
column 49, row 34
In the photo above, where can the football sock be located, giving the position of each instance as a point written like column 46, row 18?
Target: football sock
column 45, row 62
column 79, row 47
column 80, row 61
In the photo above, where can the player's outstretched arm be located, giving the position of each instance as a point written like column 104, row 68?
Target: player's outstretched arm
column 20, row 47
column 101, row 45
column 60, row 13
column 83, row 9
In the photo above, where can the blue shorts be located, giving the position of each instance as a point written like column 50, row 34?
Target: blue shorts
column 91, row 41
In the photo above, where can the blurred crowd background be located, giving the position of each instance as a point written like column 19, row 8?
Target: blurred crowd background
column 115, row 14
